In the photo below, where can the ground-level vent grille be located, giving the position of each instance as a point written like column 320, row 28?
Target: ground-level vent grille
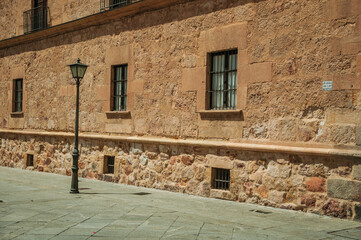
column 221, row 178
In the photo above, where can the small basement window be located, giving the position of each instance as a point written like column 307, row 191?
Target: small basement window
column 109, row 164
column 220, row 178
column 30, row 160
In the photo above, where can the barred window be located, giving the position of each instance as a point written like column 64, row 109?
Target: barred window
column 118, row 3
column 223, row 80
column 220, row 178
column 18, row 95
column 120, row 75
column 30, row 160
column 109, row 164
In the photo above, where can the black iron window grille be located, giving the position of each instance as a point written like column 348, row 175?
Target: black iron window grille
column 223, row 80
column 111, row 4
column 221, row 178
column 18, row 95
column 30, row 160
column 120, row 75
column 35, row 19
column 109, row 164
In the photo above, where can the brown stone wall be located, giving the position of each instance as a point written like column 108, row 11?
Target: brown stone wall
column 286, row 50
column 11, row 17
column 307, row 183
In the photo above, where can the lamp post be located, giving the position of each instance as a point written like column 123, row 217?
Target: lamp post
column 78, row 71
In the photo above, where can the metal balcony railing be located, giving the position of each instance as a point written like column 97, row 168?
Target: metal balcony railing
column 35, row 19
column 111, row 4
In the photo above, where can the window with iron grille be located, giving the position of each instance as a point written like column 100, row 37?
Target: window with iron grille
column 120, row 76
column 109, row 164
column 18, row 95
column 30, row 160
column 118, row 3
column 220, row 178
column 223, row 80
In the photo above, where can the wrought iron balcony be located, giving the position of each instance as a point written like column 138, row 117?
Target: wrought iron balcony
column 35, row 19
column 111, row 4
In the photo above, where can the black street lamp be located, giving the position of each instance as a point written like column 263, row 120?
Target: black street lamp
column 78, row 71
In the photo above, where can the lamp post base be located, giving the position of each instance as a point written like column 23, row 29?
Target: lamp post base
column 74, row 191
column 74, row 177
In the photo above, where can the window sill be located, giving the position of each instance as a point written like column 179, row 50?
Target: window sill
column 17, row 114
column 222, row 114
column 118, row 114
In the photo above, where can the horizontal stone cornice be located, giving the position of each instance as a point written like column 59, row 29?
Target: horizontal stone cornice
column 246, row 145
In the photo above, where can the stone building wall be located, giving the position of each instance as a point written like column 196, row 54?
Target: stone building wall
column 299, row 182
column 286, row 49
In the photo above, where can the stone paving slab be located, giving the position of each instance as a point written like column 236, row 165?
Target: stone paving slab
column 38, row 206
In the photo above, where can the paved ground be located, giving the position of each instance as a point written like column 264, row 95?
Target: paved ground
column 38, row 206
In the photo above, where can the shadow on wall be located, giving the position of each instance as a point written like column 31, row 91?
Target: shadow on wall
column 174, row 13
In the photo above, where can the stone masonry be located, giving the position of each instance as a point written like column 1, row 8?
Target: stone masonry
column 307, row 142
column 308, row 183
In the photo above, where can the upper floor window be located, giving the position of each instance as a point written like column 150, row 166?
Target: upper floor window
column 118, row 3
column 119, row 84
column 36, row 18
column 111, row 4
column 18, row 95
column 223, row 80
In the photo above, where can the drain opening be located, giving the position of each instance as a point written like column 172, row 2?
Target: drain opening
column 260, row 211
column 141, row 193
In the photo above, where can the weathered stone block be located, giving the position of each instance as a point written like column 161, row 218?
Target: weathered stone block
column 276, row 196
column 336, row 208
column 261, row 72
column 351, row 45
column 308, row 200
column 193, row 78
column 356, row 212
column 219, row 162
column 356, row 172
column 276, row 170
column 124, row 127
column 344, row 189
column 358, row 135
column 358, row 58
column 315, row 184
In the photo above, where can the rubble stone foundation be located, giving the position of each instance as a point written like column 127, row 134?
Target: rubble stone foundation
column 299, row 182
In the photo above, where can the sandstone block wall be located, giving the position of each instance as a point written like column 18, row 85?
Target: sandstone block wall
column 286, row 51
column 323, row 185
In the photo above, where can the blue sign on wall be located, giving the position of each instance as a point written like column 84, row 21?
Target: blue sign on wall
column 327, row 86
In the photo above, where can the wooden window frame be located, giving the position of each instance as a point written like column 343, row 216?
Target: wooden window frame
column 123, row 96
column 225, row 87
column 17, row 91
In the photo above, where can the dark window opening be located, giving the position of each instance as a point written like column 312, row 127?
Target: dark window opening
column 119, row 84
column 118, row 3
column 18, row 95
column 36, row 18
column 30, row 160
column 220, row 178
column 223, row 80
column 109, row 164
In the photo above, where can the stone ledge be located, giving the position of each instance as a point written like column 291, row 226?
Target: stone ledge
column 236, row 114
column 255, row 146
column 118, row 114
column 17, row 114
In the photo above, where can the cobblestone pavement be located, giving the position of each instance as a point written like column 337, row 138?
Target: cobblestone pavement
column 38, row 206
